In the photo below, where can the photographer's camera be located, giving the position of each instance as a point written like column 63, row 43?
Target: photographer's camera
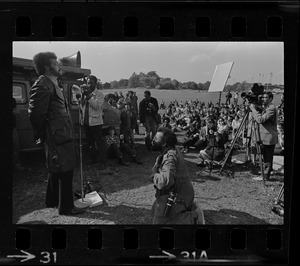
column 170, row 202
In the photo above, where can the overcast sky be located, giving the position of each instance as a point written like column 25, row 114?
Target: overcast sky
column 184, row 61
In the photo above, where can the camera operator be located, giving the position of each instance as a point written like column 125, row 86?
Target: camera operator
column 148, row 111
column 92, row 111
column 267, row 120
column 174, row 202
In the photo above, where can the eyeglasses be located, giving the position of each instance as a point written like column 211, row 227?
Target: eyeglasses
column 265, row 97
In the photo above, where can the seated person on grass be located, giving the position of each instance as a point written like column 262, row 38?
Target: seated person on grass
column 204, row 133
column 166, row 123
column 191, row 137
column 215, row 150
column 127, row 146
column 115, row 147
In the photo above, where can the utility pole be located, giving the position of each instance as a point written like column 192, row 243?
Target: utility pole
column 270, row 83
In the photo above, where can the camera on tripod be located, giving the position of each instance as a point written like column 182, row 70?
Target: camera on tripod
column 254, row 96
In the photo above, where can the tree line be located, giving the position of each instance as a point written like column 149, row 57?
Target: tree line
column 153, row 81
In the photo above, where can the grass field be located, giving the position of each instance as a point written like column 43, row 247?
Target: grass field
column 184, row 95
column 128, row 193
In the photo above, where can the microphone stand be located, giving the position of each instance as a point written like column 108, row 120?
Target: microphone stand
column 81, row 203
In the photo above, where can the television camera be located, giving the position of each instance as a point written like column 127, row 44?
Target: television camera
column 254, row 96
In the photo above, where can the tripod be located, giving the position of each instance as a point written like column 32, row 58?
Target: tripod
column 255, row 134
column 279, row 200
column 278, row 208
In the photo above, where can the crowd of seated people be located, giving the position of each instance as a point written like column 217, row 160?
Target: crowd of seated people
column 209, row 128
column 205, row 125
column 119, row 145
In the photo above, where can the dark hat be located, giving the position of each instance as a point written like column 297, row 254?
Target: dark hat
column 111, row 128
column 166, row 118
column 127, row 103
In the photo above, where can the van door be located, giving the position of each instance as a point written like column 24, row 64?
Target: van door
column 24, row 129
column 73, row 105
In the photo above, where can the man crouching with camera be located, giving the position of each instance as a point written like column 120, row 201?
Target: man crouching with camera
column 174, row 202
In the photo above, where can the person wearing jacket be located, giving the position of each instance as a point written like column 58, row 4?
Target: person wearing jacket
column 267, row 121
column 172, row 184
column 127, row 118
column 148, row 110
column 92, row 112
column 204, row 133
column 50, row 118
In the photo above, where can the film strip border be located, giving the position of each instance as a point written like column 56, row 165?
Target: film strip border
column 151, row 22
column 128, row 244
column 165, row 27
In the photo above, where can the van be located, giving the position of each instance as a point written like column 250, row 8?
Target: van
column 24, row 77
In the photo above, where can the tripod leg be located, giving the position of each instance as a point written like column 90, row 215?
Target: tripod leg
column 259, row 148
column 280, row 194
column 234, row 140
column 261, row 162
column 212, row 159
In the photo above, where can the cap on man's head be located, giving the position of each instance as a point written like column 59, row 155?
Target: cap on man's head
column 166, row 118
column 92, row 77
column 111, row 128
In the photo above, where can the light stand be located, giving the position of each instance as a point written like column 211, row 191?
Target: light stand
column 220, row 99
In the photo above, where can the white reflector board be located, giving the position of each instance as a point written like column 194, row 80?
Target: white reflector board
column 220, row 77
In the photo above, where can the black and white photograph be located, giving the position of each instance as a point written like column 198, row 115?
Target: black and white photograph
column 143, row 133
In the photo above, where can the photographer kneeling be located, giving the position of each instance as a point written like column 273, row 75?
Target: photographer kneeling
column 174, row 202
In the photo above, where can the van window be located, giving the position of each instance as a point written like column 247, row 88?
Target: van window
column 73, row 99
column 19, row 92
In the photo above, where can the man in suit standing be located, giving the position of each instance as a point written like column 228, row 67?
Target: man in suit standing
column 50, row 118
column 267, row 121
